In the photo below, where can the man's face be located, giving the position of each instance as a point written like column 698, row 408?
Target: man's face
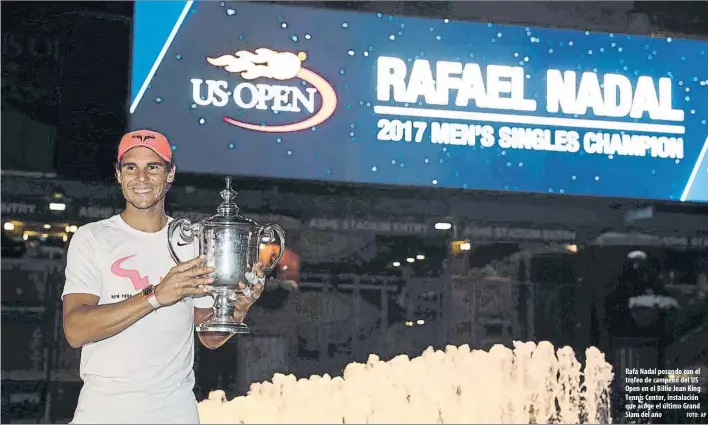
column 144, row 177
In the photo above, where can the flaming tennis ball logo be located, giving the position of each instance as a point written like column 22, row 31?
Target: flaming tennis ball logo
column 266, row 64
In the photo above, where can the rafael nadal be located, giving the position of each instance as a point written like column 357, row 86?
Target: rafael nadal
column 131, row 309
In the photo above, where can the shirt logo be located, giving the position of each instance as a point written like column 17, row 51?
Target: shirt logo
column 139, row 282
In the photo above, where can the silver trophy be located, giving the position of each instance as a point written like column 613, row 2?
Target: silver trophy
column 230, row 243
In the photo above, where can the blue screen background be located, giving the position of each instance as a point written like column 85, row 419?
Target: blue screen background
column 342, row 47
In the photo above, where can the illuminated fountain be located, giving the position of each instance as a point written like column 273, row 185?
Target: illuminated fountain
column 529, row 384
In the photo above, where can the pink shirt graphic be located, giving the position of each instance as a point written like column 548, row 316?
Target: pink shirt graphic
column 139, row 282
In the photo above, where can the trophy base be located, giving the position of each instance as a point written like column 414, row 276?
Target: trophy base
column 223, row 320
column 226, row 325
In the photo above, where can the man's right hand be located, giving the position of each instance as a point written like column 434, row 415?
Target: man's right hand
column 184, row 280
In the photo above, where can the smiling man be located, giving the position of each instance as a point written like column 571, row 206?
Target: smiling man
column 130, row 308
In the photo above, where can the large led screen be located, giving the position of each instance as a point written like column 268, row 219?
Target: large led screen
column 300, row 93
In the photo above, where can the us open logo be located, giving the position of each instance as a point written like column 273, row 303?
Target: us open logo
column 265, row 65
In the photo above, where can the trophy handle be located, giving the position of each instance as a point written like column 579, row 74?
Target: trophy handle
column 271, row 230
column 180, row 224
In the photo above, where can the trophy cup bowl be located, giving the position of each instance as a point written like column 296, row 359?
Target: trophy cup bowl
column 230, row 244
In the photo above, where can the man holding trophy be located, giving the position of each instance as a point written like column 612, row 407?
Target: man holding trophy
column 132, row 305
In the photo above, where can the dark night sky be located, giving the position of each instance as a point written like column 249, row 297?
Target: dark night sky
column 87, row 82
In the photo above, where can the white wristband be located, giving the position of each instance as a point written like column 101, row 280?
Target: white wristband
column 152, row 299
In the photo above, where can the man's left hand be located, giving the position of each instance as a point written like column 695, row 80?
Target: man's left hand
column 250, row 292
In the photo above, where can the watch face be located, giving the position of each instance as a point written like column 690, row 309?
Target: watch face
column 147, row 291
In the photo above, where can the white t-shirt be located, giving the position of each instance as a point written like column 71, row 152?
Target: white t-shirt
column 143, row 374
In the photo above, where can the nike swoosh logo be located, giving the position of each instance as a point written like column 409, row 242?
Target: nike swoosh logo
column 182, row 243
column 139, row 282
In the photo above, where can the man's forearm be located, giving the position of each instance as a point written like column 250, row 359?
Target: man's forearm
column 212, row 340
column 87, row 324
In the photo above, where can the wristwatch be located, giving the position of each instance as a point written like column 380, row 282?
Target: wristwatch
column 149, row 294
